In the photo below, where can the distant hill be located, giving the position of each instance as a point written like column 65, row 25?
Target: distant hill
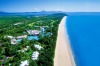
column 42, row 13
column 3, row 13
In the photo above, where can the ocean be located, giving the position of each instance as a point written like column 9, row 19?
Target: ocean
column 84, row 36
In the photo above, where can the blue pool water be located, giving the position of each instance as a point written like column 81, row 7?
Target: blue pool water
column 33, row 37
column 29, row 38
column 84, row 35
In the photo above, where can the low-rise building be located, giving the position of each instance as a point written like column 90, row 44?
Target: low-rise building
column 35, row 55
column 33, row 32
column 13, row 41
column 20, row 37
column 38, row 47
column 17, row 23
column 24, row 63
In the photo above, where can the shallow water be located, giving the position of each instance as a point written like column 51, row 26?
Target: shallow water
column 84, row 35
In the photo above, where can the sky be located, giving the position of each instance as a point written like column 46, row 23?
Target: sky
column 50, row 5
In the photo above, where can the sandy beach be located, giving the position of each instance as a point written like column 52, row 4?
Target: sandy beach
column 63, row 53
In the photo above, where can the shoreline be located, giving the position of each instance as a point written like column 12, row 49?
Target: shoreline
column 63, row 53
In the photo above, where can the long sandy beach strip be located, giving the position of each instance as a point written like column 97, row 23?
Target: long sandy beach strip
column 63, row 52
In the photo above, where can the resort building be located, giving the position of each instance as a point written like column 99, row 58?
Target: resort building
column 24, row 63
column 9, row 37
column 17, row 23
column 24, row 49
column 35, row 55
column 13, row 41
column 33, row 32
column 38, row 47
column 20, row 37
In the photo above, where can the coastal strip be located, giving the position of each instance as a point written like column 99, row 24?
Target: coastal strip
column 63, row 52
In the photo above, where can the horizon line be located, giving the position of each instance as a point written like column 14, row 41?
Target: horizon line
column 47, row 11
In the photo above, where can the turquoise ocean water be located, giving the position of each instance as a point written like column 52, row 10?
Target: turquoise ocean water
column 84, row 36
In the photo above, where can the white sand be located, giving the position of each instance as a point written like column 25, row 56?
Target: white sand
column 63, row 53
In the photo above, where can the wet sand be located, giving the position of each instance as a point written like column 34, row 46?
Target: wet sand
column 63, row 53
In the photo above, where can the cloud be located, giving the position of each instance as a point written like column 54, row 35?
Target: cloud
column 36, row 9
column 59, row 9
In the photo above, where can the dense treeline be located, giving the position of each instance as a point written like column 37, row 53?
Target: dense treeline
column 8, row 27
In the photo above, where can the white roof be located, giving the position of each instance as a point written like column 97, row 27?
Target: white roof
column 33, row 31
column 35, row 55
column 10, row 37
column 24, row 36
column 17, row 23
column 13, row 41
column 38, row 47
column 24, row 63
